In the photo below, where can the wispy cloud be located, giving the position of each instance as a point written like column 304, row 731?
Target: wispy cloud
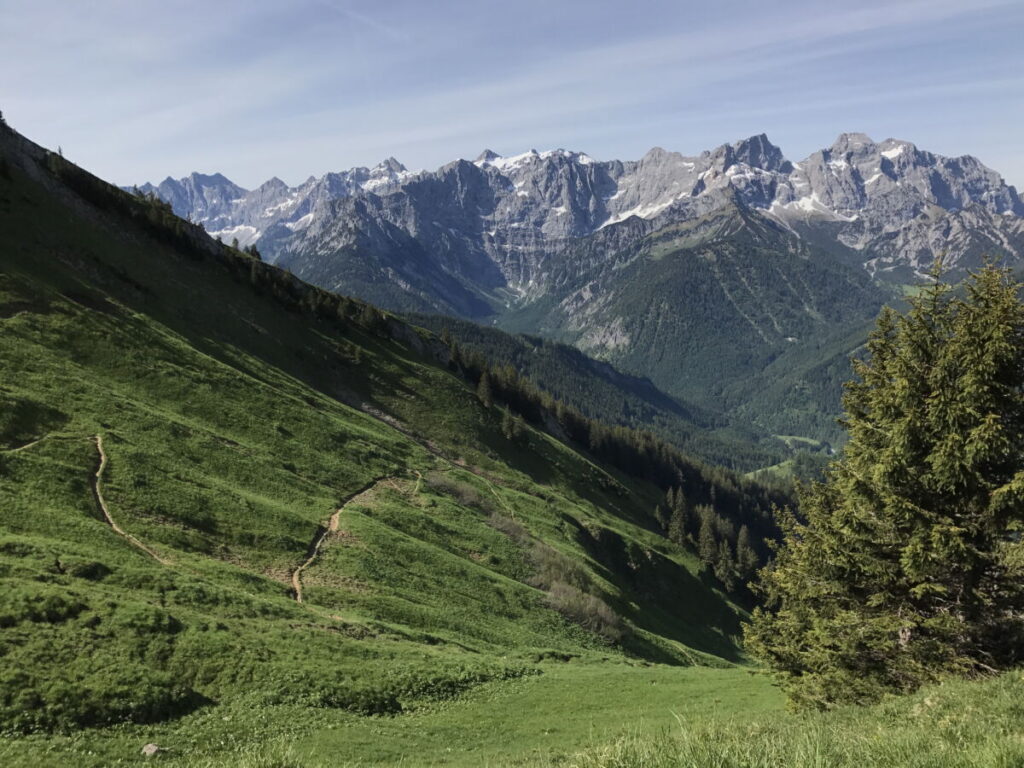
column 138, row 90
column 392, row 33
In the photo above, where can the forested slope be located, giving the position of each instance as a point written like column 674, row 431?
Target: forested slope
column 601, row 391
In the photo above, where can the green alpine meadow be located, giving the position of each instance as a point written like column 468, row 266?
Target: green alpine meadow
column 600, row 430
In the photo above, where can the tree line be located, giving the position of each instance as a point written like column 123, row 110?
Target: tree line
column 727, row 520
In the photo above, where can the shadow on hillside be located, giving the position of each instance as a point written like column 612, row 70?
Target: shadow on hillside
column 677, row 605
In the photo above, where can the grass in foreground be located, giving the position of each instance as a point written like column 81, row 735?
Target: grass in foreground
column 541, row 719
column 632, row 716
column 955, row 725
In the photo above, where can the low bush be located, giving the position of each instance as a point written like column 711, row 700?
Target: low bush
column 88, row 569
column 590, row 612
column 511, row 528
column 79, row 695
column 145, row 620
column 552, row 567
column 40, row 604
column 463, row 493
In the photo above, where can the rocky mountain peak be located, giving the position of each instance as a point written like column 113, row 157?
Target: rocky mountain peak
column 390, row 165
column 759, row 152
column 658, row 156
column 273, row 184
column 214, row 179
column 851, row 142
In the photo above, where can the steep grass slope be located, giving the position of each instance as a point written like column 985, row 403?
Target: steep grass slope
column 224, row 491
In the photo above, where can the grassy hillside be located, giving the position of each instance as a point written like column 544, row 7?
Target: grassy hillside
column 234, row 507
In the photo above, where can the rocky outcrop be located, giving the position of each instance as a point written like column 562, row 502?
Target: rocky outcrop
column 495, row 230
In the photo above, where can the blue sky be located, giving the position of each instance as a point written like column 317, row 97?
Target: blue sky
column 136, row 90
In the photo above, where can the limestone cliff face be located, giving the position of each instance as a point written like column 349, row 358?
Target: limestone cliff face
column 478, row 238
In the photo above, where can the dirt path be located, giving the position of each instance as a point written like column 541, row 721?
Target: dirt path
column 97, row 491
column 323, row 531
column 395, row 424
column 37, row 441
column 26, row 446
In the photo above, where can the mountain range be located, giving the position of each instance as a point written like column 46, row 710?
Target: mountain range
column 736, row 279
column 894, row 205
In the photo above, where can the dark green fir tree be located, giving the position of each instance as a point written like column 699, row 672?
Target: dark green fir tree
column 900, row 566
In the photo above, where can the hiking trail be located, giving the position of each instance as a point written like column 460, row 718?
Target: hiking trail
column 323, row 531
column 97, row 492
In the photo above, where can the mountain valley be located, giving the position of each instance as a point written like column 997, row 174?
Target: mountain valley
column 589, row 428
column 247, row 519
column 735, row 280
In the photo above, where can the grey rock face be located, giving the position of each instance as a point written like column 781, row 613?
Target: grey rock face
column 199, row 197
column 229, row 211
column 498, row 224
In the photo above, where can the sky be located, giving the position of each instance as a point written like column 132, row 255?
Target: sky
column 136, row 90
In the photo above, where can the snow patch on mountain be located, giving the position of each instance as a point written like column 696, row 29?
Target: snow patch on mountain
column 246, row 235
column 509, row 214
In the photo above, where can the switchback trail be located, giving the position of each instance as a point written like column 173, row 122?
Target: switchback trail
column 38, row 440
column 26, row 446
column 323, row 531
column 97, row 492
column 395, row 424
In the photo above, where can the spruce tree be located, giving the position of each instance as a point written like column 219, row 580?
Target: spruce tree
column 674, row 530
column 747, row 560
column 507, row 425
column 725, row 567
column 679, row 517
column 897, row 569
column 707, row 541
column 662, row 518
column 368, row 317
